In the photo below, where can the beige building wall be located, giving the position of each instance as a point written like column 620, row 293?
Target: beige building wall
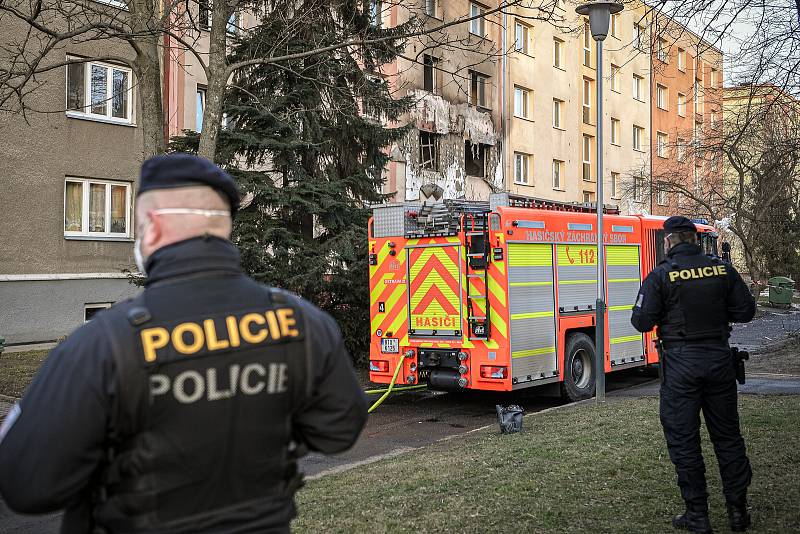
column 48, row 275
column 541, row 139
column 621, row 158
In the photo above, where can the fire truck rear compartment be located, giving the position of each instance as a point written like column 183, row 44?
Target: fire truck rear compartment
column 440, row 368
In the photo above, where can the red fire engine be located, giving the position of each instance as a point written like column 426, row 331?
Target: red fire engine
column 500, row 295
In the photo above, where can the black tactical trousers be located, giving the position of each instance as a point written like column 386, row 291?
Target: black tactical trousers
column 695, row 377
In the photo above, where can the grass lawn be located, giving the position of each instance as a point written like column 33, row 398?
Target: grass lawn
column 17, row 370
column 584, row 469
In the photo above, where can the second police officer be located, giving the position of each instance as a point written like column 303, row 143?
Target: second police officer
column 692, row 298
column 182, row 410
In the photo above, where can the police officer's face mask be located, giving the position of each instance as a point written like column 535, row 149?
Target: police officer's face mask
column 139, row 257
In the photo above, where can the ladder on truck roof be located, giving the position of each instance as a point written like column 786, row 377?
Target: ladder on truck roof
column 520, row 201
column 442, row 218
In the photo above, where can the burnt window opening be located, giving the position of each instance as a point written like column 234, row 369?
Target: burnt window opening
column 428, row 150
column 475, row 156
column 429, row 73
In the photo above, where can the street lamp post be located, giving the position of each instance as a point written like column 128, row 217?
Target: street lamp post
column 599, row 18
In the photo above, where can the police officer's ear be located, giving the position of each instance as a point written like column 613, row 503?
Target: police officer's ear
column 153, row 231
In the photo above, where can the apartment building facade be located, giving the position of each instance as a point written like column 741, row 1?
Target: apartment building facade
column 68, row 169
column 687, row 112
column 542, row 115
column 552, row 132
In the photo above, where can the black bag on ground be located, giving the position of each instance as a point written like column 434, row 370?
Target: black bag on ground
column 510, row 418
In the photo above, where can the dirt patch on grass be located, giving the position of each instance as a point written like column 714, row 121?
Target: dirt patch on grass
column 782, row 358
column 587, row 469
column 17, row 370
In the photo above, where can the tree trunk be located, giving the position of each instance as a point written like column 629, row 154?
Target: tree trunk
column 144, row 24
column 217, row 81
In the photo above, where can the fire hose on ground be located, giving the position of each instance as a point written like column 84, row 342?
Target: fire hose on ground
column 391, row 387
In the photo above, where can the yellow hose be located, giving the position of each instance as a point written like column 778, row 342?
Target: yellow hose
column 388, row 390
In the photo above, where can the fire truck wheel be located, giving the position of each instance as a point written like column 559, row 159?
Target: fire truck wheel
column 578, row 368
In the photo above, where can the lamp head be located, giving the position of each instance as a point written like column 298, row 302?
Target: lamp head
column 599, row 16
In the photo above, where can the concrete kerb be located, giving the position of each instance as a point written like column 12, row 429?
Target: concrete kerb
column 404, row 450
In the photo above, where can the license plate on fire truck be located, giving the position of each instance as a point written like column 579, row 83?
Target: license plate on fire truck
column 390, row 345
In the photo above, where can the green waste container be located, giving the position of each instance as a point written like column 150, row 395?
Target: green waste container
column 781, row 290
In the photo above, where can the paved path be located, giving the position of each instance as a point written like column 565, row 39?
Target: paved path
column 756, row 384
column 773, row 327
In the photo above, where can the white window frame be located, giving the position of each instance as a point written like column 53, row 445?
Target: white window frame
column 524, row 101
column 638, row 134
column 615, row 72
column 431, row 8
column 85, row 193
column 662, row 96
column 115, row 3
column 638, row 89
column 86, row 113
column 557, row 115
column 524, row 47
column 199, row 113
column 614, row 25
column 586, row 97
column 638, row 32
column 680, row 150
column 661, row 50
column 662, row 140
column 558, row 172
column 614, row 185
column 586, row 156
column 698, row 99
column 477, row 26
column 376, row 13
column 681, row 60
column 525, row 159
column 558, row 53
column 681, row 105
column 615, row 125
column 662, row 199
column 713, row 80
column 587, row 197
column 587, row 45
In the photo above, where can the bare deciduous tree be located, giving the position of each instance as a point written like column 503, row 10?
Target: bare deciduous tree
column 37, row 34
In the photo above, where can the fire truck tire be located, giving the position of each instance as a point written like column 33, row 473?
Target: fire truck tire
column 579, row 370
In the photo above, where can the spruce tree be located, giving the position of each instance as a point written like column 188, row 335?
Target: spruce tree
column 307, row 157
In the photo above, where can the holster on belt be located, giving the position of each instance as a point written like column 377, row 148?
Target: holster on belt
column 738, row 358
column 662, row 364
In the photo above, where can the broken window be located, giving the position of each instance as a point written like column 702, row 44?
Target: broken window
column 429, row 73
column 428, row 150
column 477, row 90
column 475, row 156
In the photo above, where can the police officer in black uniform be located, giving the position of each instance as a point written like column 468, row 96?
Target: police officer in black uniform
column 692, row 298
column 185, row 408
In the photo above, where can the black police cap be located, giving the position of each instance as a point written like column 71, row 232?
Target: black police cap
column 679, row 223
column 169, row 171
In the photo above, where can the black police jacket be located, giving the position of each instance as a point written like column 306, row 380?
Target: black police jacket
column 692, row 297
column 176, row 411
